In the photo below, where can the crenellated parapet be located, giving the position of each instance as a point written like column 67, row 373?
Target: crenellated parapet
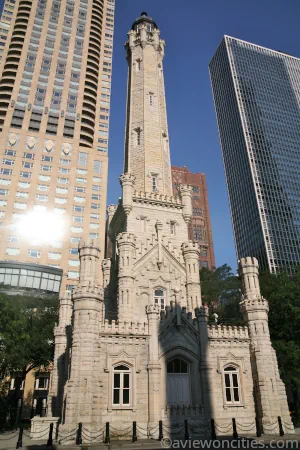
column 124, row 239
column 154, row 198
column 143, row 37
column 227, row 332
column 190, row 249
column 87, row 290
column 124, row 327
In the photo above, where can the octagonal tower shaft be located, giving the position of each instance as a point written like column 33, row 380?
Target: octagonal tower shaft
column 147, row 154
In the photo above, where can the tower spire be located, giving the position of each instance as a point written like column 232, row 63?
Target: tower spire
column 147, row 155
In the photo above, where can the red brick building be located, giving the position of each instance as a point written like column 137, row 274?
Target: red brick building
column 200, row 226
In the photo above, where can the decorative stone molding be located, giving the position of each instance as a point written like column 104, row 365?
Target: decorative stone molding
column 152, row 309
column 66, row 148
column 48, row 146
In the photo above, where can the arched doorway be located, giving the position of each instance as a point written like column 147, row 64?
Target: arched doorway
column 178, row 382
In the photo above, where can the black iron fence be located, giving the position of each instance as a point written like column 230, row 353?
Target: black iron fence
column 134, row 432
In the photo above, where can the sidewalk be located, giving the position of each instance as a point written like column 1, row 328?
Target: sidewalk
column 9, row 443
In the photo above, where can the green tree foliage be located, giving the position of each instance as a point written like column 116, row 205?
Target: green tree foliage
column 26, row 333
column 283, row 293
column 221, row 290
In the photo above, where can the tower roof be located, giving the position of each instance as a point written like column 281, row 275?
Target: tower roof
column 142, row 19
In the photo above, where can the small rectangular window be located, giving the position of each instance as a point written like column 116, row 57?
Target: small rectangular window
column 98, row 167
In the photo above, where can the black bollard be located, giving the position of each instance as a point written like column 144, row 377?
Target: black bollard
column 79, row 434
column 107, row 437
column 281, row 432
column 134, row 436
column 20, row 438
column 235, row 433
column 160, row 427
column 186, row 430
column 213, row 429
column 50, row 439
column 258, row 428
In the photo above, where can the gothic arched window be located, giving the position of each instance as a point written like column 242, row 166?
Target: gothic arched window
column 159, row 297
column 232, row 384
column 177, row 366
column 121, row 385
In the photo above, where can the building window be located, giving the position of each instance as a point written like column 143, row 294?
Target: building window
column 137, row 136
column 41, row 383
column 231, row 384
column 154, row 183
column 138, row 65
column 197, row 211
column 195, row 189
column 204, row 253
column 151, row 96
column 34, row 253
column 82, row 159
column 173, row 228
column 159, row 298
column 98, row 167
column 205, row 264
column 121, row 385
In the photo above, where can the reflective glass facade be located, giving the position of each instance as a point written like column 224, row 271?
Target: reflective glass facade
column 257, row 100
column 35, row 278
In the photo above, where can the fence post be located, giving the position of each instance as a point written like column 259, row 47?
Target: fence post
column 160, row 427
column 134, row 436
column 258, row 428
column 107, row 436
column 19, row 411
column 281, row 432
column 235, row 433
column 20, row 438
column 213, row 429
column 186, row 430
column 79, row 434
column 50, row 439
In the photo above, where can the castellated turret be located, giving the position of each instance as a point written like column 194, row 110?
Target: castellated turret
column 270, row 392
column 254, row 307
column 191, row 252
column 126, row 299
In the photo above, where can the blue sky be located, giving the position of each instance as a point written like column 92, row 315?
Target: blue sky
column 192, row 30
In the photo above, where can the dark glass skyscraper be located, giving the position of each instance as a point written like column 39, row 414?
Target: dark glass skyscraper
column 257, row 99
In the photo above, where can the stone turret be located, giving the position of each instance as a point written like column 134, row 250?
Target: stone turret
column 82, row 392
column 127, row 183
column 190, row 252
column 147, row 154
column 126, row 296
column 270, row 395
column 186, row 195
column 62, row 337
column 154, row 369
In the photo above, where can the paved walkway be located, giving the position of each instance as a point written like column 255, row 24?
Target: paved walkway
column 9, row 441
